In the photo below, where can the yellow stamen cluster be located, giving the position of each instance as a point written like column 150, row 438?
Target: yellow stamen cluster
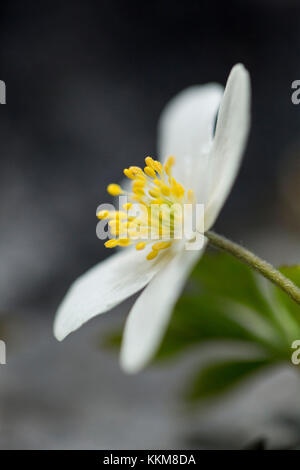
column 149, row 216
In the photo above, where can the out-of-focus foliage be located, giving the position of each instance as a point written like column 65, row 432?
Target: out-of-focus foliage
column 220, row 376
column 226, row 301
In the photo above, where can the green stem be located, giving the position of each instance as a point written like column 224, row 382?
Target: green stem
column 263, row 267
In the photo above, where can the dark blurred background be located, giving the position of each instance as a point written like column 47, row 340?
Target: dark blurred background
column 86, row 82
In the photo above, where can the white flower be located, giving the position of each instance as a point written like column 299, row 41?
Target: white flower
column 204, row 165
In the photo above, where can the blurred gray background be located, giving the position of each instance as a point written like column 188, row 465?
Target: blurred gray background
column 86, row 82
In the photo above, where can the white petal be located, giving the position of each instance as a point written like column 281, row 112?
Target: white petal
column 186, row 131
column 104, row 286
column 230, row 139
column 149, row 317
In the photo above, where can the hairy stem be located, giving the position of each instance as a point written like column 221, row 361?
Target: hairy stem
column 265, row 268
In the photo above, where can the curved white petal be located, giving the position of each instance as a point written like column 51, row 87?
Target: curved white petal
column 104, row 286
column 148, row 319
column 186, row 130
column 229, row 141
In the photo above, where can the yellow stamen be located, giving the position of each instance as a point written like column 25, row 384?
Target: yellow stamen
column 168, row 165
column 158, row 167
column 177, row 190
column 128, row 173
column 161, row 246
column 116, row 227
column 102, row 214
column 138, row 198
column 154, row 193
column 137, row 172
column 124, row 241
column 127, row 206
column 140, row 246
column 149, row 171
column 158, row 200
column 165, row 190
column 111, row 243
column 136, row 169
column 150, row 162
column 139, row 183
column 117, row 215
column 190, row 196
column 152, row 255
column 138, row 191
column 114, row 189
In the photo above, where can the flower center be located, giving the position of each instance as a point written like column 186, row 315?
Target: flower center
column 152, row 212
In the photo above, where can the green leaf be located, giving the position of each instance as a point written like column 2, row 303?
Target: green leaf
column 285, row 310
column 224, row 276
column 219, row 377
column 199, row 319
column 293, row 273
